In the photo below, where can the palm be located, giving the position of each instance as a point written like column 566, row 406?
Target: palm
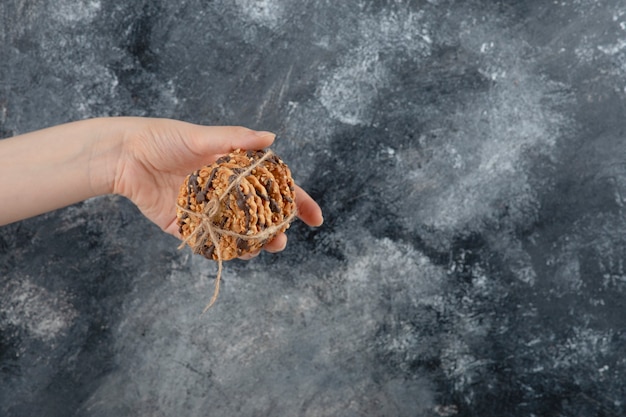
column 155, row 175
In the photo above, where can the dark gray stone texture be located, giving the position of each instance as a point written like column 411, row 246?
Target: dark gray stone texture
column 470, row 160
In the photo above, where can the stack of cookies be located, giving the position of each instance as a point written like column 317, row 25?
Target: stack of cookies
column 236, row 205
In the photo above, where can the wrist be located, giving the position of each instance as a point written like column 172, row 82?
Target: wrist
column 105, row 152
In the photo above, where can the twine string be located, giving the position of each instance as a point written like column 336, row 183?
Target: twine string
column 207, row 230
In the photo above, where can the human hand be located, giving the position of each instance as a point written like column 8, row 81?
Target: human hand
column 157, row 155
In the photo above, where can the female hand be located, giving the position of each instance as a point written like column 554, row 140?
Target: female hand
column 157, row 155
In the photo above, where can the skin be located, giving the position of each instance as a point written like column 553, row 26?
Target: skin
column 142, row 159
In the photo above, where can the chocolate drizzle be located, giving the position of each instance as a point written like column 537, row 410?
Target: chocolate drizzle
column 242, row 204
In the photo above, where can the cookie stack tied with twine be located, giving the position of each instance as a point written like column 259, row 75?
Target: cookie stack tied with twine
column 235, row 206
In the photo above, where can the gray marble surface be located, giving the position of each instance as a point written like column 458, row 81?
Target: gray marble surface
column 470, row 158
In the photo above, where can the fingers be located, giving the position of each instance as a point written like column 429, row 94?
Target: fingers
column 278, row 244
column 308, row 210
column 215, row 140
column 172, row 228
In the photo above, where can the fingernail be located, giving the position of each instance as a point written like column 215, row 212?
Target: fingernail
column 263, row 133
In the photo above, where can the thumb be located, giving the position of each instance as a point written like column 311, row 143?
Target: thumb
column 214, row 140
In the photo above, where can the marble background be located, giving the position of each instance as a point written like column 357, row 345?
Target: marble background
column 470, row 160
